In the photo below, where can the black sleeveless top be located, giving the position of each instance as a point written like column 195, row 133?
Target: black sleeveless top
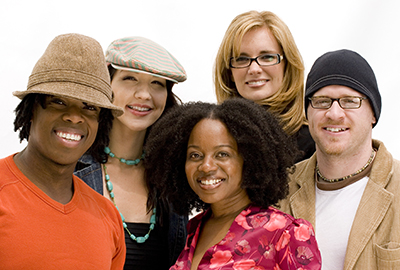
column 152, row 254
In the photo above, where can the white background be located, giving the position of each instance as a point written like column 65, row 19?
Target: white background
column 192, row 32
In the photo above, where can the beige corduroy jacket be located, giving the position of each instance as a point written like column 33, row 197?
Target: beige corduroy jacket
column 374, row 241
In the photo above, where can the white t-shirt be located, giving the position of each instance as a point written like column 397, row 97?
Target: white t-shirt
column 335, row 211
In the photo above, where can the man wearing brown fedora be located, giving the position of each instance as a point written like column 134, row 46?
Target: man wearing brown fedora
column 50, row 219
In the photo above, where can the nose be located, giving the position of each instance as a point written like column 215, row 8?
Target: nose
column 254, row 68
column 208, row 165
column 73, row 114
column 142, row 92
column 335, row 111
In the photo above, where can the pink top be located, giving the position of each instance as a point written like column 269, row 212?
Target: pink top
column 257, row 239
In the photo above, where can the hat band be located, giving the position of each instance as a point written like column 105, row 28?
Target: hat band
column 62, row 75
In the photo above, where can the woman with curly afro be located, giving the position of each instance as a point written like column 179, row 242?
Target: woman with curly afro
column 230, row 162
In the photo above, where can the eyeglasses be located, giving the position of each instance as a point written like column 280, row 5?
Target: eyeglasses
column 344, row 102
column 261, row 60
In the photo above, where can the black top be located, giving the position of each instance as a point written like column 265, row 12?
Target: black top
column 89, row 170
column 305, row 143
column 148, row 255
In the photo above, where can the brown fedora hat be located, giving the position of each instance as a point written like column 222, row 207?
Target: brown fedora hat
column 73, row 66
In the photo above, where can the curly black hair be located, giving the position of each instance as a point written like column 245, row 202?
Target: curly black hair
column 24, row 115
column 267, row 151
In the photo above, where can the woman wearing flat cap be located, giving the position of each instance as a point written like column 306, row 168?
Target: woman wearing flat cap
column 142, row 76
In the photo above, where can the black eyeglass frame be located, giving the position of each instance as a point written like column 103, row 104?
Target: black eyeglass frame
column 338, row 101
column 280, row 58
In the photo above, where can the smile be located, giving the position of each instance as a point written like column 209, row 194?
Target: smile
column 210, row 182
column 137, row 108
column 259, row 82
column 69, row 136
column 335, row 129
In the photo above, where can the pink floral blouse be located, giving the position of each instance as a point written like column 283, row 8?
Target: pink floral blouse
column 258, row 239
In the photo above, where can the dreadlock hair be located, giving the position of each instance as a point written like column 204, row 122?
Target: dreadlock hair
column 24, row 115
column 102, row 137
column 268, row 153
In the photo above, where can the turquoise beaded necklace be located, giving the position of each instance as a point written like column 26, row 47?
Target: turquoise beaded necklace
column 126, row 161
column 138, row 239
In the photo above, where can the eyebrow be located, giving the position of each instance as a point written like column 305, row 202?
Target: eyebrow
column 260, row 53
column 218, row 146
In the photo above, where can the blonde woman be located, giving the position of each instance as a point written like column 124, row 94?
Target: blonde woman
column 259, row 60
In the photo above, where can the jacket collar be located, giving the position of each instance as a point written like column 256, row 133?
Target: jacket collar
column 302, row 202
column 373, row 206
column 372, row 209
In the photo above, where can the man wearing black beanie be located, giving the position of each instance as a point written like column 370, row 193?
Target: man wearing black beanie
column 349, row 189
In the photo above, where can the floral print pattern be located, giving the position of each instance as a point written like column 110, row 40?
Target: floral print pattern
column 258, row 239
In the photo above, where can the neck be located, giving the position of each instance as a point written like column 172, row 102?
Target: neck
column 230, row 209
column 337, row 166
column 125, row 143
column 53, row 179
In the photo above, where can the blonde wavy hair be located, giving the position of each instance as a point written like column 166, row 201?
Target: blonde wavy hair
column 288, row 102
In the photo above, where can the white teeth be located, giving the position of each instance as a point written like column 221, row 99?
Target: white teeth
column 69, row 136
column 140, row 109
column 210, row 182
column 257, row 82
column 335, row 129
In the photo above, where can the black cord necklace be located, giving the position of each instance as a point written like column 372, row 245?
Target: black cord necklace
column 348, row 176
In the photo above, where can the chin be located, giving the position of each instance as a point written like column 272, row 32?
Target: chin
column 334, row 150
column 259, row 98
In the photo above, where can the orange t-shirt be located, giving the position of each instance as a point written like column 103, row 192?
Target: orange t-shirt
column 37, row 232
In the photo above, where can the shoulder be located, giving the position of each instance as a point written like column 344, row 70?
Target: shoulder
column 86, row 164
column 385, row 169
column 93, row 199
column 269, row 218
column 303, row 175
column 9, row 171
column 292, row 239
column 295, row 239
column 89, row 171
column 273, row 220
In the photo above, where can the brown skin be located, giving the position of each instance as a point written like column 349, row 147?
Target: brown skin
column 49, row 160
column 212, row 154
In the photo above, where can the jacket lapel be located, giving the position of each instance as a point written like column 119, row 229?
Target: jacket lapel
column 372, row 209
column 302, row 202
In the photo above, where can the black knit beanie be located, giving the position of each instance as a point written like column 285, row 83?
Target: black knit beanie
column 347, row 68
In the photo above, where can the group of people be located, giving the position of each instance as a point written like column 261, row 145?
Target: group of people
column 282, row 175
